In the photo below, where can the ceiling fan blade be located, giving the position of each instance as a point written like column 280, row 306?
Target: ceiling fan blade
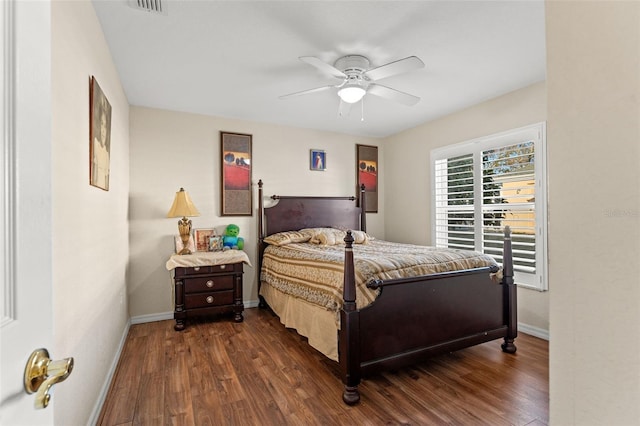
column 305, row 92
column 392, row 68
column 393, row 94
column 344, row 108
column 323, row 66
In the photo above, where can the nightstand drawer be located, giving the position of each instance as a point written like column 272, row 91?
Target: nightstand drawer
column 214, row 269
column 211, row 283
column 203, row 300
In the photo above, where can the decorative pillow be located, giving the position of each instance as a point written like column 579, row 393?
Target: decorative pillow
column 360, row 237
column 288, row 237
column 326, row 239
column 333, row 236
column 324, row 236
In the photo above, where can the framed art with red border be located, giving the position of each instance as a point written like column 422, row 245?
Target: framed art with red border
column 235, row 193
column 367, row 169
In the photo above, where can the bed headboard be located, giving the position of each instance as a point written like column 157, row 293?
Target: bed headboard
column 292, row 213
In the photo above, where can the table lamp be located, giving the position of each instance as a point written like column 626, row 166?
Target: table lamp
column 183, row 206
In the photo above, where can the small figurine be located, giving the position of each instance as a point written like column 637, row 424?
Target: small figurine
column 231, row 241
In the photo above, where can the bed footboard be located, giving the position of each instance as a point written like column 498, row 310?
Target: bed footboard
column 415, row 318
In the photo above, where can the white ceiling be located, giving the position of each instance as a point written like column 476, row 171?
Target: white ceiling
column 234, row 58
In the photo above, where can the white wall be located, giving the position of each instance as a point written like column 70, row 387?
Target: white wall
column 408, row 177
column 593, row 79
column 170, row 150
column 90, row 228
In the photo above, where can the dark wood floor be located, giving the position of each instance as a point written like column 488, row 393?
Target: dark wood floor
column 259, row 373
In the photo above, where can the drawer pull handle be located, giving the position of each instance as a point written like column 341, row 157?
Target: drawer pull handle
column 210, row 299
column 197, row 268
column 210, row 283
column 223, row 266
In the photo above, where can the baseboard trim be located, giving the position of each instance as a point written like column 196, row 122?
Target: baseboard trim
column 534, row 331
column 251, row 303
column 162, row 316
column 97, row 409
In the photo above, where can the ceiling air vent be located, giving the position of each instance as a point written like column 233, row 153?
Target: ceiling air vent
column 153, row 6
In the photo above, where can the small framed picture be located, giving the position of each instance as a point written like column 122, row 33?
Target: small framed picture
column 318, row 160
column 202, row 237
column 215, row 243
column 179, row 245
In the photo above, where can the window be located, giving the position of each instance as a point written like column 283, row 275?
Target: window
column 483, row 185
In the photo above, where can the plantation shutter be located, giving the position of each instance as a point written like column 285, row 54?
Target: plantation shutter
column 455, row 200
column 508, row 198
column 482, row 186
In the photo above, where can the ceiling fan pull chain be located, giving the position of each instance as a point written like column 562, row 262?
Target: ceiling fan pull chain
column 362, row 110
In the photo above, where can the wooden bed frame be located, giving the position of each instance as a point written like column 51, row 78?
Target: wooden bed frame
column 412, row 318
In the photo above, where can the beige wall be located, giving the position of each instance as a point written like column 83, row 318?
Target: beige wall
column 408, row 185
column 170, row 150
column 593, row 79
column 90, row 228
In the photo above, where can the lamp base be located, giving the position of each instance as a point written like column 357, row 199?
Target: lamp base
column 184, row 227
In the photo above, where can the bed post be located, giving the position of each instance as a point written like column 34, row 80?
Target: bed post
column 349, row 333
column 363, row 210
column 261, row 302
column 510, row 295
column 260, row 211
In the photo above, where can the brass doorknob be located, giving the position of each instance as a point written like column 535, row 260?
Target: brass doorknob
column 41, row 373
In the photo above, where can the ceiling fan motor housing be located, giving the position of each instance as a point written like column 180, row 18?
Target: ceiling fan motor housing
column 352, row 64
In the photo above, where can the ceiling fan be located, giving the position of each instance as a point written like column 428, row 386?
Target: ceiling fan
column 357, row 79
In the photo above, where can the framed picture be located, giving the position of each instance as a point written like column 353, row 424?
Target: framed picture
column 236, row 194
column 179, row 245
column 367, row 170
column 215, row 243
column 318, row 160
column 99, row 136
column 202, row 237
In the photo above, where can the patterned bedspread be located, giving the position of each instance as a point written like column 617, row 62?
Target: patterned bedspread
column 314, row 272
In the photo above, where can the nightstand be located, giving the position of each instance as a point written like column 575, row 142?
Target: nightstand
column 207, row 284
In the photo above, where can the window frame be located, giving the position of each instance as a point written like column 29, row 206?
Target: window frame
column 534, row 132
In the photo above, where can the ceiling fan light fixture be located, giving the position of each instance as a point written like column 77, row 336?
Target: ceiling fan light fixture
column 351, row 94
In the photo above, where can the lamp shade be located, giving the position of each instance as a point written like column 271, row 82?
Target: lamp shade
column 183, row 206
column 351, row 93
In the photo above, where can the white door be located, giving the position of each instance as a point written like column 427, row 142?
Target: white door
column 25, row 198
